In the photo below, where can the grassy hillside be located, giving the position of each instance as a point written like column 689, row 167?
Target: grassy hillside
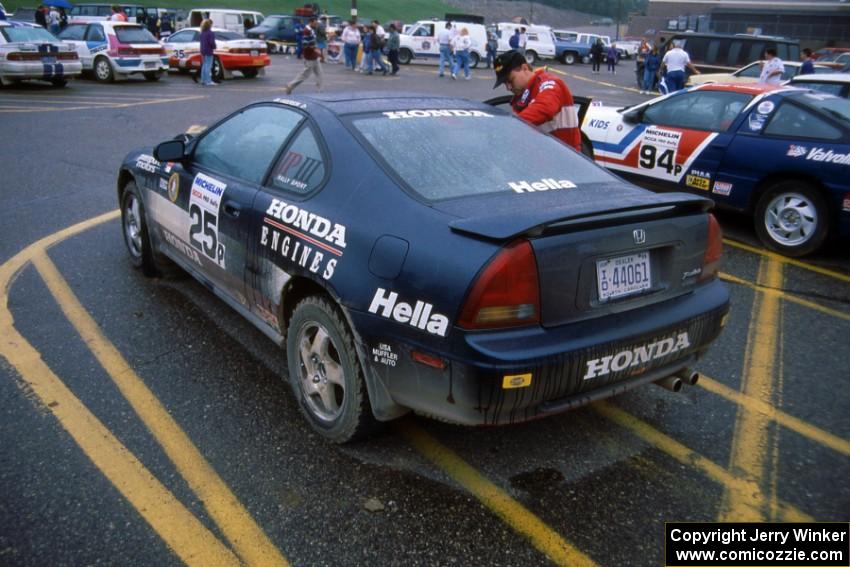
column 405, row 10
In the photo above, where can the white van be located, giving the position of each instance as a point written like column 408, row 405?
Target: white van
column 422, row 41
column 238, row 21
column 540, row 44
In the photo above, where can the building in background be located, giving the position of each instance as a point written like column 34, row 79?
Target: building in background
column 815, row 23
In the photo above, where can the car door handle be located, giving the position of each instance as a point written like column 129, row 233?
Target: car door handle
column 232, row 209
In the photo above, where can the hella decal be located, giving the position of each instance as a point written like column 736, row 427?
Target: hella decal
column 722, row 188
column 636, row 357
column 435, row 113
column 542, row 185
column 420, row 315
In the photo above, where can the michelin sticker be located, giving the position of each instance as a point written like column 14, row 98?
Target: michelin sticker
column 204, row 204
column 765, row 107
column 658, row 153
column 542, row 185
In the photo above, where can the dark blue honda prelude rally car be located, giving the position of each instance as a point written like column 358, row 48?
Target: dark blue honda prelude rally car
column 429, row 254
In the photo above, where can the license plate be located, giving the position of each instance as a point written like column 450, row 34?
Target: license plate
column 150, row 64
column 48, row 60
column 623, row 275
column 255, row 52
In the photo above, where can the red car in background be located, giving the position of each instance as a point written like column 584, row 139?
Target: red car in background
column 234, row 52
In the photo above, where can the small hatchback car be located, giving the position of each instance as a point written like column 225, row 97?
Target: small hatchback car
column 117, row 50
column 234, row 52
column 406, row 265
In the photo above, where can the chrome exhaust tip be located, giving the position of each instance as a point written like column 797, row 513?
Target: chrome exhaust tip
column 672, row 383
column 689, row 377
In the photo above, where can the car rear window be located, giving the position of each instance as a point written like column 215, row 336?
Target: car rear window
column 228, row 36
column 26, row 34
column 73, row 32
column 838, row 108
column 134, row 34
column 443, row 154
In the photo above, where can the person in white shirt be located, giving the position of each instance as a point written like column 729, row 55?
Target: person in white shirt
column 523, row 40
column 772, row 69
column 351, row 41
column 675, row 61
column 460, row 46
column 444, row 38
column 53, row 20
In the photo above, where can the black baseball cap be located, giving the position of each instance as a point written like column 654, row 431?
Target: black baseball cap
column 505, row 63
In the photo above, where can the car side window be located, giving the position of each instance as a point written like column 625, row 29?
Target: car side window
column 301, row 167
column 792, row 121
column 182, row 37
column 712, row 111
column 245, row 144
column 95, row 33
column 74, row 33
column 751, row 71
column 830, row 88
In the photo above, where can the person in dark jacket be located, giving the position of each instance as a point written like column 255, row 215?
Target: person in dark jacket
column 312, row 58
column 393, row 44
column 651, row 65
column 597, row 50
column 207, row 53
column 375, row 46
column 40, row 16
column 612, row 55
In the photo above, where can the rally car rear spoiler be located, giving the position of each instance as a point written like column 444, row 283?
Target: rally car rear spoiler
column 571, row 217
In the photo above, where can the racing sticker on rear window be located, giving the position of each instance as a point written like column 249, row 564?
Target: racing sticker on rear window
column 435, row 114
column 658, row 153
column 302, row 237
column 204, row 205
column 542, row 185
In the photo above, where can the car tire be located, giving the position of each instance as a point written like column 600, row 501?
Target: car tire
column 474, row 60
column 134, row 227
column 325, row 372
column 103, row 72
column 217, row 71
column 250, row 73
column 585, row 59
column 59, row 83
column 531, row 57
column 405, row 56
column 792, row 218
column 569, row 58
column 153, row 76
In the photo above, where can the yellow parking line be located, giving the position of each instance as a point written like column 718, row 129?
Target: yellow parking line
column 793, row 423
column 749, row 452
column 595, row 81
column 786, row 296
column 193, row 543
column 494, row 498
column 249, row 541
column 791, row 261
column 737, row 480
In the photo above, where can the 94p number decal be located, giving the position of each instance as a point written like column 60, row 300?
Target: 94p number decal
column 658, row 153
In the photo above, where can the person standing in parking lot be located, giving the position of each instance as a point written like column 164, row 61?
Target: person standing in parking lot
column 393, row 44
column 492, row 47
column 674, row 63
column 808, row 66
column 53, row 21
column 118, row 14
column 611, row 55
column 444, row 38
column 312, row 59
column 651, row 65
column 596, row 52
column 540, row 98
column 40, row 16
column 351, row 41
column 208, row 46
column 771, row 69
column 523, row 41
column 461, row 45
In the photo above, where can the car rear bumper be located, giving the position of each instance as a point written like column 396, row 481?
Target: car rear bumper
column 40, row 71
column 128, row 65
column 502, row 377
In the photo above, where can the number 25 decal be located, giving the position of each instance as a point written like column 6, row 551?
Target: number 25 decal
column 203, row 234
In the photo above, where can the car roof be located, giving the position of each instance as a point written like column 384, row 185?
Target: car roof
column 823, row 78
column 352, row 102
column 748, row 88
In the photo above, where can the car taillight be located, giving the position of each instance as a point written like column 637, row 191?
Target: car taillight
column 127, row 51
column 506, row 293
column 713, row 250
column 27, row 56
column 68, row 55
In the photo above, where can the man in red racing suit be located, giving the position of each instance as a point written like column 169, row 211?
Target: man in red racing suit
column 539, row 98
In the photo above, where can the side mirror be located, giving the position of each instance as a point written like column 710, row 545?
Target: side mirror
column 633, row 116
column 172, row 150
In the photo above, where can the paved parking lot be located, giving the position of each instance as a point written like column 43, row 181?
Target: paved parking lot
column 143, row 422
